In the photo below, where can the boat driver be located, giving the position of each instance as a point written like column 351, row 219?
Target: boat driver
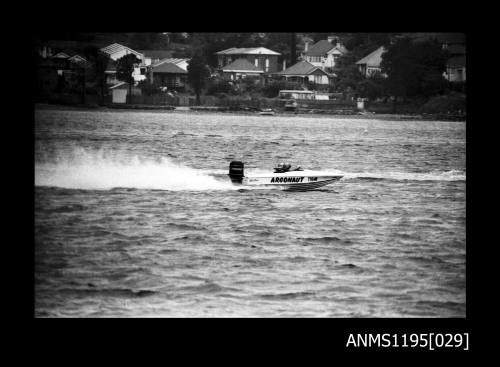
column 282, row 167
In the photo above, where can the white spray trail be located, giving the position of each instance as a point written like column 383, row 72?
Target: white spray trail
column 98, row 170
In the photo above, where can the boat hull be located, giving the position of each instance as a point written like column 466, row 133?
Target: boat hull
column 291, row 182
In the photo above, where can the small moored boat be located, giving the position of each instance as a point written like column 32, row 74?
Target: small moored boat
column 267, row 111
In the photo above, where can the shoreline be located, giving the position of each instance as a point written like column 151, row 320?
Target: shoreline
column 214, row 110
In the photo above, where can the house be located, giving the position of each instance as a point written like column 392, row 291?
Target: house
column 240, row 69
column 324, row 53
column 370, row 64
column 116, row 51
column 70, row 55
column 261, row 57
column 182, row 63
column 305, row 72
column 57, row 74
column 455, row 44
column 51, row 47
column 455, row 69
column 169, row 73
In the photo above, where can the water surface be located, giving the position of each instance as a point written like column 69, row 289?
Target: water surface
column 135, row 216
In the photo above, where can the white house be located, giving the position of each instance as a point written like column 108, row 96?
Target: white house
column 305, row 72
column 370, row 64
column 324, row 53
column 116, row 51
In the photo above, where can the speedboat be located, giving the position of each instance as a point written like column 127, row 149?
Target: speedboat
column 284, row 177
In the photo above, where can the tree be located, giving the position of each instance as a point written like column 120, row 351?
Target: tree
column 124, row 69
column 371, row 88
column 414, row 67
column 198, row 73
column 98, row 64
column 348, row 75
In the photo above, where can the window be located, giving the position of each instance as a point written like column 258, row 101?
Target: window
column 256, row 62
column 318, row 79
column 267, row 65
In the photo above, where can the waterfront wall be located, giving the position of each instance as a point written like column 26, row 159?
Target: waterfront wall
column 242, row 102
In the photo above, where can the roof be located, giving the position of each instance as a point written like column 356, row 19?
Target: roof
column 300, row 68
column 339, row 48
column 182, row 63
column 373, row 59
column 156, row 54
column 248, row 51
column 61, row 55
column 116, row 47
column 167, row 67
column 320, row 48
column 121, row 85
column 77, row 58
column 171, row 61
column 242, row 65
column 456, row 62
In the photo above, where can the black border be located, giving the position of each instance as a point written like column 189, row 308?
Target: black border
column 320, row 335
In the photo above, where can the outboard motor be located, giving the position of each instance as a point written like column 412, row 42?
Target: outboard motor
column 236, row 171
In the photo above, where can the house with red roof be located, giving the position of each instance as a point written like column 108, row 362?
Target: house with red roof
column 324, row 53
column 170, row 73
column 262, row 58
column 240, row 69
column 305, row 72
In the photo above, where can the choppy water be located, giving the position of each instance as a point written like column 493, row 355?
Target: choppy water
column 134, row 216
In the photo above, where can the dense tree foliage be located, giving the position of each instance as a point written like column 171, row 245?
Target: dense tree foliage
column 220, row 86
column 98, row 63
column 414, row 68
column 198, row 73
column 348, row 77
column 124, row 69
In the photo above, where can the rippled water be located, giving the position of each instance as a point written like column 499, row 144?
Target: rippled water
column 135, row 216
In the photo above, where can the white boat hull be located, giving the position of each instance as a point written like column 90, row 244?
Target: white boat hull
column 296, row 180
